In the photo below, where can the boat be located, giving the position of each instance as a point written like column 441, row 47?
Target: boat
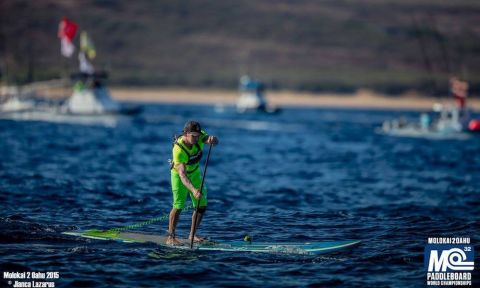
column 17, row 99
column 91, row 97
column 252, row 97
column 449, row 122
column 16, row 104
column 89, row 104
column 312, row 248
column 89, row 101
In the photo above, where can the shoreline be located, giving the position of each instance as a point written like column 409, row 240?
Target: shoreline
column 363, row 99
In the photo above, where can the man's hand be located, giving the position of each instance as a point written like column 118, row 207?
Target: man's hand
column 212, row 140
column 196, row 193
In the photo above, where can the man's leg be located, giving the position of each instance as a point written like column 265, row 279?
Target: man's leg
column 200, row 213
column 172, row 225
column 179, row 196
column 202, row 206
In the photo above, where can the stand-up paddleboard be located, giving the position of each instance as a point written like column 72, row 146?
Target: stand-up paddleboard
column 232, row 246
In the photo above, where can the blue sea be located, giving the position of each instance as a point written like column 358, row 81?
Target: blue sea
column 300, row 175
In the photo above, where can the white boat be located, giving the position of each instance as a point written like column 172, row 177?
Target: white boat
column 16, row 104
column 251, row 97
column 91, row 97
column 446, row 125
column 15, row 99
column 90, row 104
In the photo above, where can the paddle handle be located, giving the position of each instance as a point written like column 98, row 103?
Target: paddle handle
column 198, row 202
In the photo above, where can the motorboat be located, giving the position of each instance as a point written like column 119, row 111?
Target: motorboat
column 90, row 103
column 448, row 123
column 91, row 97
column 252, row 97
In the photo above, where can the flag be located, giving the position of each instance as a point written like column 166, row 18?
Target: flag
column 86, row 45
column 66, row 32
column 85, row 66
column 67, row 47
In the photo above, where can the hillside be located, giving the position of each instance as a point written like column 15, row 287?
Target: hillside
column 305, row 45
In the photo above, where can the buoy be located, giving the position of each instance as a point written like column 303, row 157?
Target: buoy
column 474, row 125
column 247, row 238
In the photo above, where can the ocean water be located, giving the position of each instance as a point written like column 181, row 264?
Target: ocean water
column 300, row 175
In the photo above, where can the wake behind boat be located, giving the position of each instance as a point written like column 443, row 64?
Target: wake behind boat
column 314, row 248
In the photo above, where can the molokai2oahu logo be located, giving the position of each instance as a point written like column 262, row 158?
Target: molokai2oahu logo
column 449, row 261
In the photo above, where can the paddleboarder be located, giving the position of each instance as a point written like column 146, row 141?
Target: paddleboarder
column 186, row 177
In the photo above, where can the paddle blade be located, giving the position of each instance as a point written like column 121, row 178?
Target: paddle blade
column 108, row 234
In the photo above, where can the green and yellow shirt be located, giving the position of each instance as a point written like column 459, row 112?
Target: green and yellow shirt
column 190, row 157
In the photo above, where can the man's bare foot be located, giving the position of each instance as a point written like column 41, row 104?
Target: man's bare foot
column 172, row 241
column 197, row 238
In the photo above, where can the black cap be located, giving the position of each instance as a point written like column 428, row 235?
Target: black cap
column 192, row 126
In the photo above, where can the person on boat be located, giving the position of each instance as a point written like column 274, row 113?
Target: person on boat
column 459, row 91
column 186, row 177
column 425, row 121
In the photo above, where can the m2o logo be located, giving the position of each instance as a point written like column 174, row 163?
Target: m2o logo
column 454, row 259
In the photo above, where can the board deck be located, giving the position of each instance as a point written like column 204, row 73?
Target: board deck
column 232, row 246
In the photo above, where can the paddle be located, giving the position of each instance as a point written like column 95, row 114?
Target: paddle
column 198, row 202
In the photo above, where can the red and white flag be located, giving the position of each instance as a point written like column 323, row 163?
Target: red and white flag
column 66, row 32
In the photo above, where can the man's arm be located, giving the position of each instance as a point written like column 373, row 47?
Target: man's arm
column 182, row 172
